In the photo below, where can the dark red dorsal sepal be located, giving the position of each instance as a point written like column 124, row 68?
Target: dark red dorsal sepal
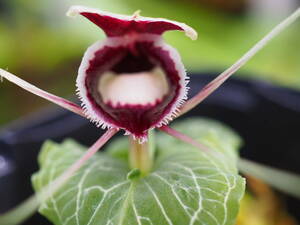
column 115, row 25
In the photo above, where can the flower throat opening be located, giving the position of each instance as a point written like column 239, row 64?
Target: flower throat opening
column 135, row 80
column 133, row 88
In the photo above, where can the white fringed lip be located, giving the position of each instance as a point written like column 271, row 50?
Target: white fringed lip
column 132, row 80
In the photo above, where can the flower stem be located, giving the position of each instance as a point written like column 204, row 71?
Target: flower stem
column 140, row 156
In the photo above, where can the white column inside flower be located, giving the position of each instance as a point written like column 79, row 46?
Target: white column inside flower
column 133, row 88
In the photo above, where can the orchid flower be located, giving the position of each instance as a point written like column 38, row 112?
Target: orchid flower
column 134, row 81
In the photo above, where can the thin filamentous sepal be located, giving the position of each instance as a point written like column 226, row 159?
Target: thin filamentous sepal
column 41, row 93
column 282, row 180
column 213, row 85
column 29, row 206
column 185, row 138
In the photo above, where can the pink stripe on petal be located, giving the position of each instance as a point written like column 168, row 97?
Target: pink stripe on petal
column 28, row 207
column 213, row 85
column 50, row 97
column 115, row 25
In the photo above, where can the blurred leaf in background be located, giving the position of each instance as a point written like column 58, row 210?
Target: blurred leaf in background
column 42, row 46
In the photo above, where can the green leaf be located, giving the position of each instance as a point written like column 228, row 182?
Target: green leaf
column 186, row 185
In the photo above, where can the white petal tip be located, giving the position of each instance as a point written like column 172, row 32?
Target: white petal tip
column 73, row 11
column 136, row 14
column 191, row 33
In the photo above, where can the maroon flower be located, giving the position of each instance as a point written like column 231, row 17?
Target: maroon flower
column 132, row 80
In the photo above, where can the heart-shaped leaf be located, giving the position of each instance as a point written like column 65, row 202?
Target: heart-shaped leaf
column 186, row 186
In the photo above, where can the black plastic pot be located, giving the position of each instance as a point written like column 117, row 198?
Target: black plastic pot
column 267, row 117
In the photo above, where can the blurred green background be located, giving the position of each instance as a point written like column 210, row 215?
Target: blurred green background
column 41, row 45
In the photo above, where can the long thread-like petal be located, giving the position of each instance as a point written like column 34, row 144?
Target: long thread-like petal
column 39, row 92
column 285, row 181
column 282, row 180
column 27, row 208
column 185, row 138
column 213, row 85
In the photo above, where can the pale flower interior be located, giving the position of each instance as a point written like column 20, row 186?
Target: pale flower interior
column 139, row 88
